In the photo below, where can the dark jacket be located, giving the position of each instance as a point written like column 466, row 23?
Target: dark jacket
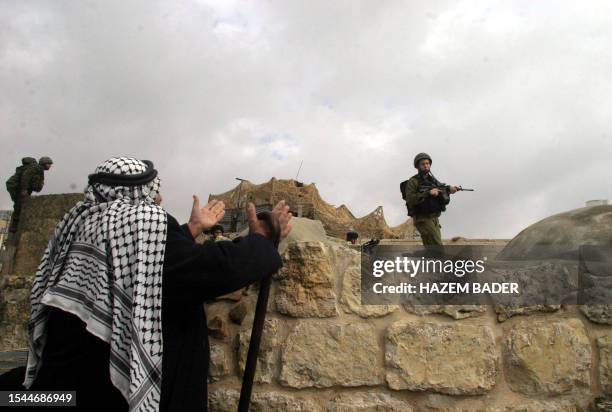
column 76, row 360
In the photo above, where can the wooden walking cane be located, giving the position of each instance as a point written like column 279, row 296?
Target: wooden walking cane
column 258, row 322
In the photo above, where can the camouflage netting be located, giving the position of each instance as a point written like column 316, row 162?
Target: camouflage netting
column 306, row 201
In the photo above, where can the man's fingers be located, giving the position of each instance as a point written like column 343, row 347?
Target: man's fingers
column 211, row 204
column 279, row 206
column 282, row 212
column 285, row 231
column 284, row 217
column 196, row 202
column 217, row 207
column 220, row 215
column 251, row 214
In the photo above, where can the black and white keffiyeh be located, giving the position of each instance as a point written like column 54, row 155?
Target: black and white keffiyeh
column 104, row 264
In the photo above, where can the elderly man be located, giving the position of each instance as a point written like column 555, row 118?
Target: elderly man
column 116, row 306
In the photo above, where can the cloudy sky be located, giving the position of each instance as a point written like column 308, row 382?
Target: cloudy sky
column 513, row 98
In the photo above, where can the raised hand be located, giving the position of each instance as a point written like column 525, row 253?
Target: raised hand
column 204, row 218
column 284, row 216
column 280, row 212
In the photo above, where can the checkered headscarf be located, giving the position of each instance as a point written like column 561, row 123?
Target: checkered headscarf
column 104, row 264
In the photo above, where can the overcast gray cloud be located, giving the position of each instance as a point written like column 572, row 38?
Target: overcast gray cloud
column 510, row 97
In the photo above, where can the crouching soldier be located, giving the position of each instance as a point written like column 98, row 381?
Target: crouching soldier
column 28, row 178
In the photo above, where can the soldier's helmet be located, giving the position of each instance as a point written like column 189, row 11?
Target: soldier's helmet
column 45, row 160
column 420, row 157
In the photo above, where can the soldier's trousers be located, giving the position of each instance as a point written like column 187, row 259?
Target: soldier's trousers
column 429, row 229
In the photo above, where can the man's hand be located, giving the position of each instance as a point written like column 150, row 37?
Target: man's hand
column 202, row 219
column 434, row 192
column 280, row 211
column 452, row 189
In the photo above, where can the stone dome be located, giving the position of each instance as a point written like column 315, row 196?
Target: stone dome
column 559, row 236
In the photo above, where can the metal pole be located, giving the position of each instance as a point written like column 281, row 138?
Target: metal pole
column 256, row 333
column 257, row 330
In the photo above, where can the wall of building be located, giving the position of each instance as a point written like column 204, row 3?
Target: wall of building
column 39, row 216
column 324, row 351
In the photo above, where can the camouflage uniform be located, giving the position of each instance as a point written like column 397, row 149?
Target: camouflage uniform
column 428, row 225
column 32, row 179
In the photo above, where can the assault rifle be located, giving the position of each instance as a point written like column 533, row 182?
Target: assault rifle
column 369, row 245
column 444, row 190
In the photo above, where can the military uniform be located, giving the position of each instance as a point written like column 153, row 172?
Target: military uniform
column 32, row 179
column 28, row 178
column 428, row 225
column 14, row 182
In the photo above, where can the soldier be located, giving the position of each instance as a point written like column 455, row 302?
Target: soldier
column 28, row 178
column 351, row 237
column 12, row 184
column 217, row 233
column 424, row 206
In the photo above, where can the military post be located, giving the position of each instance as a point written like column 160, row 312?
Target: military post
column 28, row 178
column 426, row 198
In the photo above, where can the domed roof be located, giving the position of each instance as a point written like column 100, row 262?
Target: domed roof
column 559, row 236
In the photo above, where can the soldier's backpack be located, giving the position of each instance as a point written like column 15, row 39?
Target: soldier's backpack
column 13, row 182
column 403, row 189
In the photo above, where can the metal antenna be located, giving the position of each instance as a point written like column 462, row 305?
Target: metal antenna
column 300, row 168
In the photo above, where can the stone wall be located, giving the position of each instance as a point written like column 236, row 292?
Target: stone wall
column 39, row 215
column 323, row 351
